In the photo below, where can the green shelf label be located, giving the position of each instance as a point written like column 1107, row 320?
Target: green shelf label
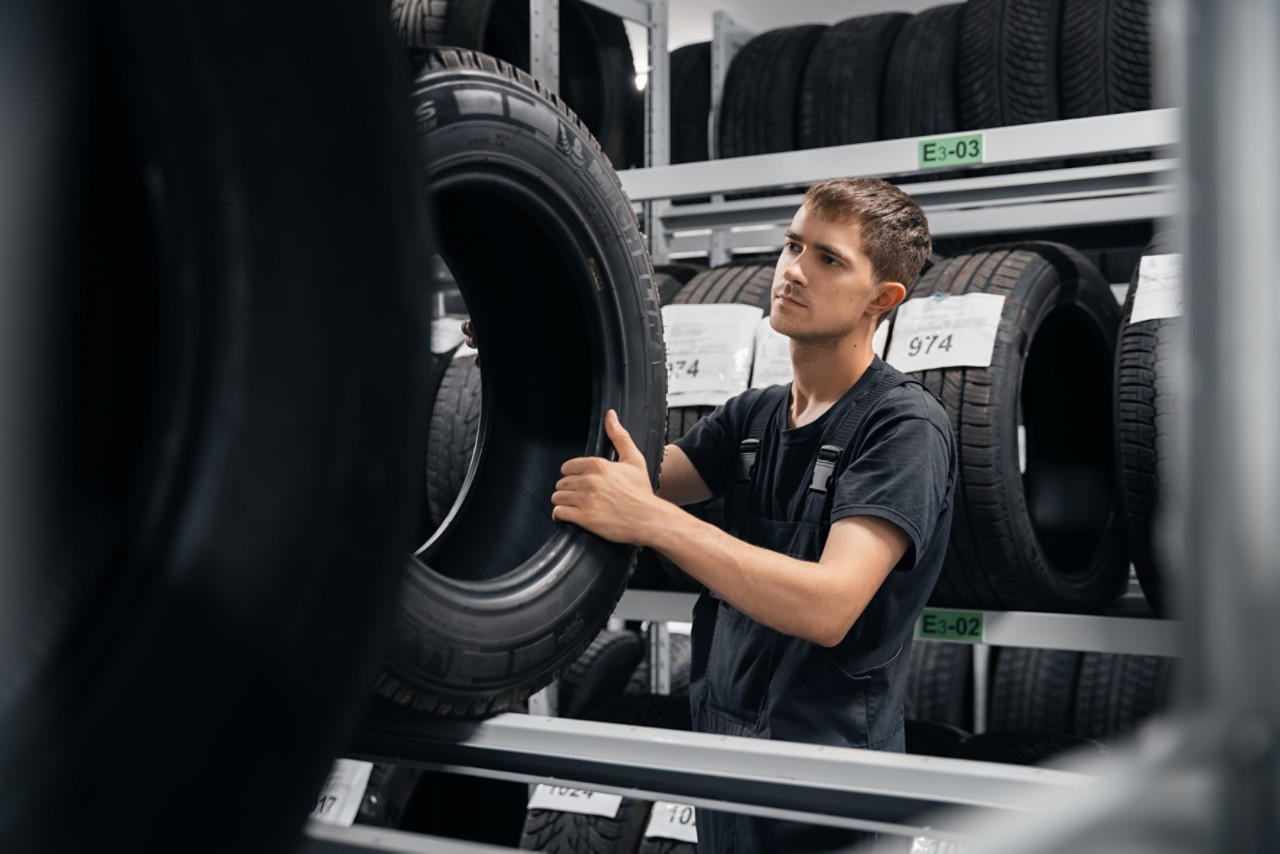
column 952, row 151
column 964, row 626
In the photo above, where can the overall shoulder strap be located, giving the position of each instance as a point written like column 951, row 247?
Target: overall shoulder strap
column 762, row 411
column 840, row 438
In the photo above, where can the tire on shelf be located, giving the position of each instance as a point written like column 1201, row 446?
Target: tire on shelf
column 1049, row 538
column 691, row 103
column 749, row 284
column 921, row 81
column 218, row 461
column 840, row 90
column 1146, row 408
column 1105, row 66
column 1033, row 690
column 569, row 833
column 387, row 795
column 502, row 598
column 681, row 657
column 455, row 425
column 759, row 108
column 601, row 673
column 461, row 806
column 681, row 271
column 659, row 845
column 1008, row 63
column 597, row 72
column 940, row 684
column 1116, row 693
column 668, row 286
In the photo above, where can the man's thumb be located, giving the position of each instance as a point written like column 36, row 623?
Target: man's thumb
column 627, row 450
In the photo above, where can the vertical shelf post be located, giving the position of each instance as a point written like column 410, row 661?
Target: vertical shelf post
column 544, row 43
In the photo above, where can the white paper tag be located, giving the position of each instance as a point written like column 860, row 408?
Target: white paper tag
column 943, row 331
column 340, row 798
column 881, row 336
column 673, row 821
column 464, row 352
column 772, row 362
column 709, row 351
column 446, row 333
column 580, row 801
column 1159, row 293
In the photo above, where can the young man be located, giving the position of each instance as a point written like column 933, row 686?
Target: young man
column 838, row 492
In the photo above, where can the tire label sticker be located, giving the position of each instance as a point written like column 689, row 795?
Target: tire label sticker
column 340, row 798
column 673, row 821
column 580, row 801
column 772, row 362
column 1159, row 292
column 966, row 150
column 963, row 626
column 945, row 331
column 709, row 352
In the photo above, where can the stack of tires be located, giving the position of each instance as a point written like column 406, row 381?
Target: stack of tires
column 950, row 68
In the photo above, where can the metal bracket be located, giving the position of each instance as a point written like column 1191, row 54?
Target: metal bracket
column 544, row 43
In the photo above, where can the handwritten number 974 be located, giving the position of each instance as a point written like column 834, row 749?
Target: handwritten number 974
column 925, row 344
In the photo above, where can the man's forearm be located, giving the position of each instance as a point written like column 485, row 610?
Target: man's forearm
column 800, row 598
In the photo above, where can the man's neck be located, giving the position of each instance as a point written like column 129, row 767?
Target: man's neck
column 823, row 371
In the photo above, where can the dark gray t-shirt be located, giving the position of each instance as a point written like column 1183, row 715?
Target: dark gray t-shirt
column 903, row 470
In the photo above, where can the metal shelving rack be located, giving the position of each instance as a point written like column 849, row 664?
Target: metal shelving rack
column 855, row 788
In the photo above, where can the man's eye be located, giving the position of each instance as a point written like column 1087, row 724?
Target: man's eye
column 792, row 246
column 832, row 262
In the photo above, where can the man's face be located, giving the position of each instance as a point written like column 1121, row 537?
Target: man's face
column 822, row 285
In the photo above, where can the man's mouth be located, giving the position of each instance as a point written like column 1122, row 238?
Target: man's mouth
column 787, row 298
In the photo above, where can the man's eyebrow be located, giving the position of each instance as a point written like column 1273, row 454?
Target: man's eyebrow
column 821, row 247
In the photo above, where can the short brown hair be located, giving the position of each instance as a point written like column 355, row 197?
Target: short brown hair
column 895, row 232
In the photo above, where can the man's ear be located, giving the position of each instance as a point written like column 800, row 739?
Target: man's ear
column 887, row 298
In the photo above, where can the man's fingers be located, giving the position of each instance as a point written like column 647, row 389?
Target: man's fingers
column 627, row 450
column 577, row 466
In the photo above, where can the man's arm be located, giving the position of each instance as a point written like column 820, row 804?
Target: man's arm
column 680, row 482
column 816, row 601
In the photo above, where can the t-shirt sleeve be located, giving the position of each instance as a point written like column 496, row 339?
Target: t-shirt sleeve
column 903, row 473
column 712, row 444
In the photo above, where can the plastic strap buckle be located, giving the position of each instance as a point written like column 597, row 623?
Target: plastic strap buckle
column 747, row 459
column 825, row 466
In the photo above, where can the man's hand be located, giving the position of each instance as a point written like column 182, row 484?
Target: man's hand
column 469, row 336
column 613, row 500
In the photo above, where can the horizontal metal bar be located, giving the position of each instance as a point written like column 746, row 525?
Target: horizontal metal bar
column 330, row 839
column 830, row 785
column 628, row 10
column 1124, row 635
column 1081, row 632
column 1045, row 141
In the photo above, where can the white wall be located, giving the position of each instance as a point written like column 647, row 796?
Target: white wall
column 690, row 20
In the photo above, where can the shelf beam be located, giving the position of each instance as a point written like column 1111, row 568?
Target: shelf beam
column 1080, row 632
column 867, row 789
column 1152, row 129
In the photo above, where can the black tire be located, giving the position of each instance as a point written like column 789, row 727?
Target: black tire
column 1008, row 63
column 1105, row 65
column 1116, row 693
column 940, row 684
column 569, row 833
column 658, row 845
column 921, row 83
column 929, row 738
column 455, row 424
column 1050, row 539
column 388, row 794
column 681, row 657
column 840, row 90
column 215, row 488
column 1146, row 408
column 691, row 103
column 597, row 72
column 1033, row 690
column 668, row 286
column 601, row 673
column 759, row 108
column 485, row 620
column 1020, row 748
column 681, row 271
